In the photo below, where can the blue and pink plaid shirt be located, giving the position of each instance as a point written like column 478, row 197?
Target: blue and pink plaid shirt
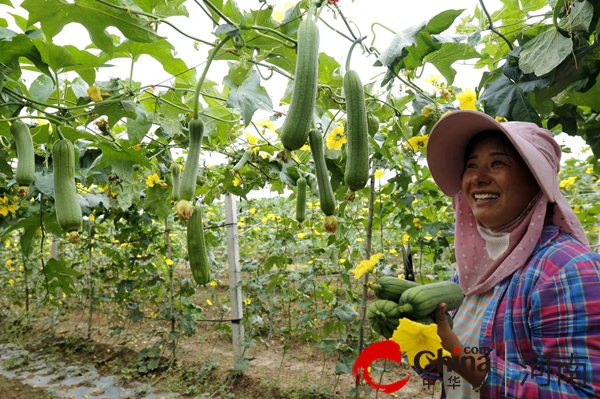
column 543, row 324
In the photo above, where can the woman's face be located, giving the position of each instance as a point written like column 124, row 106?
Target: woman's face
column 497, row 183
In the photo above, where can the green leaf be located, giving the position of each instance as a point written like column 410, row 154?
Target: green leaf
column 157, row 200
column 579, row 19
column 506, row 98
column 329, row 71
column 114, row 111
column 447, row 55
column 544, row 53
column 345, row 313
column 20, row 21
column 6, row 33
column 138, row 128
column 249, row 97
column 21, row 46
column 41, row 88
column 60, row 275
column 120, row 160
column 6, row 2
column 163, row 8
column 162, row 51
column 54, row 15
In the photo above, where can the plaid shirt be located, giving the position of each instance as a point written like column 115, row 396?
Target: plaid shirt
column 543, row 321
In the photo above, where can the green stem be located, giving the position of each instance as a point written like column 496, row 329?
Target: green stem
column 350, row 52
column 57, row 90
column 335, row 30
column 211, row 57
column 373, row 30
column 58, row 130
column 275, row 32
column 131, row 73
column 218, row 12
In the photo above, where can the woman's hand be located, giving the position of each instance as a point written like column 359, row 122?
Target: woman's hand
column 450, row 342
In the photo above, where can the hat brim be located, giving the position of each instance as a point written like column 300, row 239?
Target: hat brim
column 448, row 141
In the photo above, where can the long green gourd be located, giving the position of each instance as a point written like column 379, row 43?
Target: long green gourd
column 68, row 210
column 25, row 155
column 420, row 301
column 298, row 121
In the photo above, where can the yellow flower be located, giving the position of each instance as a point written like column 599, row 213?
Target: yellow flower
column 428, row 237
column 169, row 262
column 433, row 78
column 405, row 238
column 301, row 235
column 264, row 219
column 415, row 337
column 342, row 261
column 427, row 110
column 305, row 147
column 393, row 251
column 366, row 266
column 266, row 124
column 467, row 99
column 401, row 276
column 378, row 174
column 576, row 209
column 336, row 138
column 247, row 301
column 8, row 261
column 11, row 282
column 566, row 184
column 209, row 302
column 595, row 229
column 251, row 138
column 417, row 142
column 152, row 180
column 501, row 119
column 417, row 223
column 237, row 181
column 95, row 93
column 252, row 211
column 271, row 216
column 589, row 170
column 213, row 283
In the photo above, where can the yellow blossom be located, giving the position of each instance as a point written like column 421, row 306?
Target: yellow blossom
column 595, row 229
column 415, row 337
column 405, row 238
column 417, row 142
column 251, row 138
column 213, row 284
column 566, row 184
column 209, row 302
column 428, row 237
column 393, row 251
column 576, row 209
column 7, row 243
column 336, row 138
column 401, row 276
column 467, row 99
column 305, row 147
column 589, row 170
column 301, row 235
column 417, row 223
column 169, row 262
column 427, row 110
column 92, row 218
column 366, row 266
column 237, row 181
column 342, row 261
column 152, row 180
column 264, row 219
column 501, row 119
column 433, row 78
column 271, row 216
column 252, row 211
column 378, row 174
column 95, row 93
column 8, row 261
column 247, row 301
column 11, row 282
column 266, row 124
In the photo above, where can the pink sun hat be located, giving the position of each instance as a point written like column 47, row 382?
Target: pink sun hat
column 450, row 136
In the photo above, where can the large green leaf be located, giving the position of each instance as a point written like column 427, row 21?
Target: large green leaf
column 60, row 275
column 54, row 15
column 21, row 46
column 114, row 111
column 41, row 88
column 120, row 160
column 161, row 51
column 544, row 53
column 579, row 18
column 506, row 98
column 138, row 128
column 447, row 55
column 248, row 97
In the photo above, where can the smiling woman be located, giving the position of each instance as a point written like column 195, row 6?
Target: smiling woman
column 530, row 281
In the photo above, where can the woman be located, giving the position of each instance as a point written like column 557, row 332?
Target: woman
column 531, row 283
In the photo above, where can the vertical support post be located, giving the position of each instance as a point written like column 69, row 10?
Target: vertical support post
column 235, row 289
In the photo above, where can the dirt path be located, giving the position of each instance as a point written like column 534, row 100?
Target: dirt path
column 11, row 388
